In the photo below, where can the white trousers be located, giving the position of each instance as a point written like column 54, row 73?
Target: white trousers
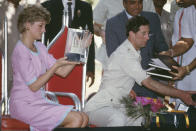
column 111, row 117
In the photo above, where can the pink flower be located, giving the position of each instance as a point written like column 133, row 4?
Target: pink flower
column 156, row 104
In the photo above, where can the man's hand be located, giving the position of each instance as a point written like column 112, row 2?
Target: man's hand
column 102, row 34
column 99, row 31
column 132, row 94
column 180, row 74
column 92, row 76
column 167, row 53
column 88, row 40
column 186, row 98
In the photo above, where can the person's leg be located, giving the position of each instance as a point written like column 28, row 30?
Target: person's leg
column 73, row 120
column 107, row 117
column 85, row 119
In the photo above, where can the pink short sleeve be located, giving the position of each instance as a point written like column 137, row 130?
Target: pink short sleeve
column 48, row 58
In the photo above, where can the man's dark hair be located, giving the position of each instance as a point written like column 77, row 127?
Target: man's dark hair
column 134, row 24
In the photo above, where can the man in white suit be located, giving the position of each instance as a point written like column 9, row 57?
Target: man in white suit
column 122, row 71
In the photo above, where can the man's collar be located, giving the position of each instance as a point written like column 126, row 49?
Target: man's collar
column 128, row 15
column 65, row 3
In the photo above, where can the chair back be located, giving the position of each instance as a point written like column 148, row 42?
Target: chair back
column 73, row 82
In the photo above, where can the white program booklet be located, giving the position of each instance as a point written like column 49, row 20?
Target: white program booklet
column 156, row 62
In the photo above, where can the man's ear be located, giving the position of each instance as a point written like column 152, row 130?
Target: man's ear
column 131, row 33
column 123, row 3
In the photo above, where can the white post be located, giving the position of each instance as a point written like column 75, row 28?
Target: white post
column 84, row 80
column 84, row 74
column 5, row 67
column 43, row 38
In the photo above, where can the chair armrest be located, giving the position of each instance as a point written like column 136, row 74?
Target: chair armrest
column 76, row 100
column 51, row 96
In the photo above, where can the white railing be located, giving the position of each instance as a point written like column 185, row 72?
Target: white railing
column 5, row 106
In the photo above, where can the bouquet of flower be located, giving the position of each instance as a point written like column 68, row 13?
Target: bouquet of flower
column 143, row 107
column 155, row 104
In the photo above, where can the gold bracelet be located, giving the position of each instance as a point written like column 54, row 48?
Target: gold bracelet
column 187, row 69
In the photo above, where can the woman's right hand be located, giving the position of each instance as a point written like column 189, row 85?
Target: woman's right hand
column 63, row 61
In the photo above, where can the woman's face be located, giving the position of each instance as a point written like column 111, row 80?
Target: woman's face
column 36, row 29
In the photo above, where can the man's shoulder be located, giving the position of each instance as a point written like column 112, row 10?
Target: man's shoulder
column 123, row 47
column 83, row 3
column 123, row 50
column 190, row 8
column 45, row 3
column 49, row 3
column 53, row 5
column 150, row 16
column 186, row 10
column 116, row 18
column 147, row 13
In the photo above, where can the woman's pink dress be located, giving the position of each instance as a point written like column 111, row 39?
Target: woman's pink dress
column 33, row 107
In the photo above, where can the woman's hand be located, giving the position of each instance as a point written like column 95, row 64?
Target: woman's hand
column 63, row 61
column 64, row 67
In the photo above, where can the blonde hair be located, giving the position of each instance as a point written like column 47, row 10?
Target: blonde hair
column 31, row 14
